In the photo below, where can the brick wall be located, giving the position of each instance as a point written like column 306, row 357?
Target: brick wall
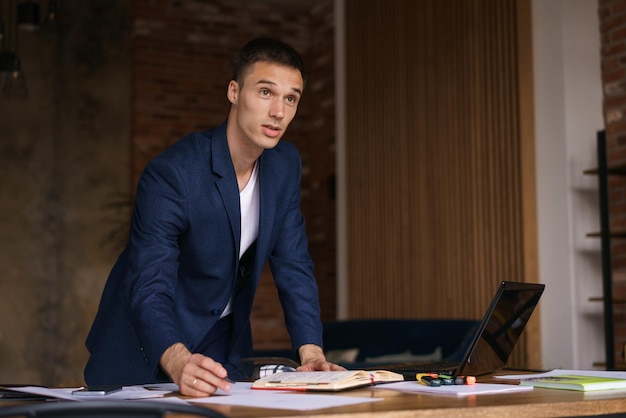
column 612, row 15
column 181, row 65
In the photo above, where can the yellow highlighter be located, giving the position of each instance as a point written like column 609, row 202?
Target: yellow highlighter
column 428, row 379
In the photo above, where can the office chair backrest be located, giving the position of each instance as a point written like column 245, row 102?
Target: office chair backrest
column 106, row 409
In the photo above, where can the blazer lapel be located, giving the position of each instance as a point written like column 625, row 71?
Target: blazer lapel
column 270, row 168
column 227, row 181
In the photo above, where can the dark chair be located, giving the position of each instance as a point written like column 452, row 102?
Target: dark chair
column 383, row 337
column 370, row 339
column 106, row 409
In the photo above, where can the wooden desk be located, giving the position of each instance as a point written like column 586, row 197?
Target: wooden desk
column 535, row 403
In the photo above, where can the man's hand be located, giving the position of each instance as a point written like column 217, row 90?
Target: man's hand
column 195, row 374
column 312, row 359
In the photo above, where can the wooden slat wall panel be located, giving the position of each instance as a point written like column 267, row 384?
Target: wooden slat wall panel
column 436, row 207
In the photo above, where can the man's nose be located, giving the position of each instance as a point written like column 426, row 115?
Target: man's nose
column 277, row 109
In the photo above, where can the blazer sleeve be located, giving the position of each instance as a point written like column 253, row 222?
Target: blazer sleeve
column 292, row 267
column 150, row 283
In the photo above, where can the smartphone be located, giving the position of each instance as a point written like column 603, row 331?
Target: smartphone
column 96, row 390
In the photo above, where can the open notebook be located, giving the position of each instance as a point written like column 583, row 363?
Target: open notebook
column 495, row 338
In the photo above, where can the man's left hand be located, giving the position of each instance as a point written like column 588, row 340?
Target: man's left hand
column 312, row 359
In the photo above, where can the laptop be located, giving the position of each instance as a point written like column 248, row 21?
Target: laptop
column 495, row 337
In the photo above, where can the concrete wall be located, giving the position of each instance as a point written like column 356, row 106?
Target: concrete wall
column 568, row 112
column 63, row 155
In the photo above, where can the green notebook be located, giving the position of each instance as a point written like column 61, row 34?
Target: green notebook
column 574, row 382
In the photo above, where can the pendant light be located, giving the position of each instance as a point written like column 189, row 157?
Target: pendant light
column 14, row 80
column 28, row 16
column 50, row 19
column 16, row 16
column 14, row 86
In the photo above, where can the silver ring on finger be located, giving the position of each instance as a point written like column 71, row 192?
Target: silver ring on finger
column 194, row 382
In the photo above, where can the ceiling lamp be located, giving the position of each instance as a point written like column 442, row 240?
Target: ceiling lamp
column 51, row 14
column 28, row 16
column 14, row 80
column 19, row 15
column 14, row 85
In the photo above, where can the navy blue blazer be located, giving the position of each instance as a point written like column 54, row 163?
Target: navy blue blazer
column 176, row 275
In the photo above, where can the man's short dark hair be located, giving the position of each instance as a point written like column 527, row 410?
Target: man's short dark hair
column 268, row 50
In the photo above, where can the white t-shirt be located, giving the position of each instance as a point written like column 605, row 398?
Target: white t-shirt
column 249, row 202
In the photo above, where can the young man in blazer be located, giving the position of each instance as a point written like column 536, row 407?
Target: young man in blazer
column 209, row 212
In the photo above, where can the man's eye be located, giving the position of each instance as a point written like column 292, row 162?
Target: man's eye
column 265, row 92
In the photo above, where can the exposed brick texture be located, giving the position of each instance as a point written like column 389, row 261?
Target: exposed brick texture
column 182, row 61
column 612, row 15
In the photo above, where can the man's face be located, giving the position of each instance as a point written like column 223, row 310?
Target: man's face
column 266, row 103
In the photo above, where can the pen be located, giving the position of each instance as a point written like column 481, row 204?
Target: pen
column 428, row 379
column 464, row 380
column 229, row 380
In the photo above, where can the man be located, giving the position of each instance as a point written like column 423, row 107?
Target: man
column 209, row 212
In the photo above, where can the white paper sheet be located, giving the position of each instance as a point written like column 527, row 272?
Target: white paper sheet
column 456, row 390
column 242, row 394
column 127, row 393
column 556, row 372
column 284, row 400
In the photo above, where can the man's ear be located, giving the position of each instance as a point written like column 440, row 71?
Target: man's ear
column 233, row 91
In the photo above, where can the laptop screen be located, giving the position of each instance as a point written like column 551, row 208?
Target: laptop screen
column 501, row 327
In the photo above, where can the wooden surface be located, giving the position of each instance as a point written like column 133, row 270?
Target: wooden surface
column 439, row 169
column 535, row 403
